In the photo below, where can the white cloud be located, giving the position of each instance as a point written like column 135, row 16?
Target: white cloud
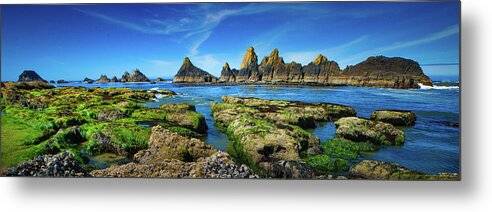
column 448, row 31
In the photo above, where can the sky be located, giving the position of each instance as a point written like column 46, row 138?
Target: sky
column 72, row 42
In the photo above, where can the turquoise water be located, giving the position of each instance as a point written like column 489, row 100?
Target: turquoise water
column 431, row 146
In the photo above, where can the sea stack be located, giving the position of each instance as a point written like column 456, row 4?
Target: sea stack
column 227, row 74
column 135, row 76
column 103, row 79
column 30, row 76
column 188, row 73
column 248, row 71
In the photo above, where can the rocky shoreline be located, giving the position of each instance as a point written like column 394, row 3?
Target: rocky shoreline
column 57, row 132
column 378, row 71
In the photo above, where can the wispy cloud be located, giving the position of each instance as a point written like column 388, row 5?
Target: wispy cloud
column 448, row 31
column 195, row 28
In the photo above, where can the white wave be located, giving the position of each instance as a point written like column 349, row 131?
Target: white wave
column 438, row 87
column 154, row 89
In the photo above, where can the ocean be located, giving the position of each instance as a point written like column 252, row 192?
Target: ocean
column 431, row 146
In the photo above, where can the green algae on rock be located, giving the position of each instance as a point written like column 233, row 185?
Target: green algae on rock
column 363, row 130
column 38, row 119
column 395, row 117
column 379, row 170
column 260, row 133
column 171, row 155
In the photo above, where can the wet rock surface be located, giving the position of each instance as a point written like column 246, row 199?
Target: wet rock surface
column 379, row 170
column 60, row 165
column 171, row 155
column 363, row 130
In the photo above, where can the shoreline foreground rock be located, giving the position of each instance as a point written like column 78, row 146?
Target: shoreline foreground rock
column 376, row 71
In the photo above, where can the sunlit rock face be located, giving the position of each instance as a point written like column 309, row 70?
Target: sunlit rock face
column 188, row 73
column 378, row 71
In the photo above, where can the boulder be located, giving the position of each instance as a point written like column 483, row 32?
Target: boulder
column 379, row 170
column 289, row 170
column 135, row 76
column 363, row 130
column 30, row 76
column 188, row 73
column 395, row 117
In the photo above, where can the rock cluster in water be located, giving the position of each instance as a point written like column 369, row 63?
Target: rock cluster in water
column 379, row 170
column 379, row 71
column 59, row 165
column 188, row 73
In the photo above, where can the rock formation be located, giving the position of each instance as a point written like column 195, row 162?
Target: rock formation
column 61, row 81
column 379, row 71
column 135, row 76
column 379, row 170
column 88, row 81
column 188, row 73
column 114, row 79
column 103, row 79
column 30, row 76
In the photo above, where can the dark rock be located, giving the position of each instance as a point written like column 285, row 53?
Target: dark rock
column 188, row 73
column 135, row 76
column 88, row 81
column 288, row 169
column 320, row 70
column 52, row 81
column 227, row 75
column 115, row 79
column 61, row 81
column 30, row 76
column 103, row 79
column 60, row 165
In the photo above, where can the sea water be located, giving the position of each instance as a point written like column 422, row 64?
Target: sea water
column 431, row 146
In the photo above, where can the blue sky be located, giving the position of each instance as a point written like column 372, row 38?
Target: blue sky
column 74, row 41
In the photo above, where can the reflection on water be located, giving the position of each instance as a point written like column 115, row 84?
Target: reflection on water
column 432, row 145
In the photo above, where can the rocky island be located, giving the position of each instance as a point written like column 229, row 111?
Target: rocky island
column 188, row 73
column 379, row 71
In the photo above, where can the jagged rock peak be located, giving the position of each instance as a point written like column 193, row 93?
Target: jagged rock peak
column 187, row 61
column 274, row 57
column 226, row 67
column 249, row 58
column 320, row 59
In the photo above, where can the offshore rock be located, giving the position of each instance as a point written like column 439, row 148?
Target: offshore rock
column 379, row 71
column 88, row 81
column 103, row 79
column 188, row 73
column 30, row 76
column 135, row 76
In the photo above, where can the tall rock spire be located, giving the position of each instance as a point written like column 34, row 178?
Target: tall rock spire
column 320, row 59
column 188, row 73
column 250, row 59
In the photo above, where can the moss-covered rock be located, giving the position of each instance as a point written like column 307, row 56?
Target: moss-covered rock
column 264, row 132
column 172, row 155
column 363, row 130
column 395, row 117
column 379, row 170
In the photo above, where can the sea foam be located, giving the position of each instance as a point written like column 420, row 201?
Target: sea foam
column 439, row 87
